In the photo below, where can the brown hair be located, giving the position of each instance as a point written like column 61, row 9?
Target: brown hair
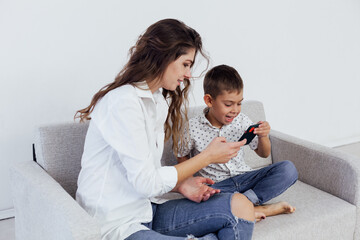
column 162, row 43
column 222, row 78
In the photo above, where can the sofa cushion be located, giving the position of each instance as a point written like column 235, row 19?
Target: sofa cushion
column 318, row 215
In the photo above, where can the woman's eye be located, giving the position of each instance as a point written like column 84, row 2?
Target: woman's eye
column 186, row 65
column 228, row 105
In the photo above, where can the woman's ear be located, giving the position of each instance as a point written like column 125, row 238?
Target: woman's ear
column 208, row 100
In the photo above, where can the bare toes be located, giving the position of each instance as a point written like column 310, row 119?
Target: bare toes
column 288, row 208
column 259, row 216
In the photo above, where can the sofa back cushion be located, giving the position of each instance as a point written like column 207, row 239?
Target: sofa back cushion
column 58, row 150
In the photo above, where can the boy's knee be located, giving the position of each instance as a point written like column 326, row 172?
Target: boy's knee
column 290, row 170
column 241, row 207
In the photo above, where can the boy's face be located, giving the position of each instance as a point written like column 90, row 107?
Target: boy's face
column 224, row 108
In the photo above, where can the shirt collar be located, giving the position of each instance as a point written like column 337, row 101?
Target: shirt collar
column 204, row 120
column 143, row 91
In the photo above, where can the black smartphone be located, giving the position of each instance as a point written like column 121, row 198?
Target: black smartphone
column 249, row 133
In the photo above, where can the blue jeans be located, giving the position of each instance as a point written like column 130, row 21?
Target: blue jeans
column 209, row 220
column 261, row 185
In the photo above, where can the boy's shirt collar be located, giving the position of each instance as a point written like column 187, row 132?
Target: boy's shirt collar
column 204, row 120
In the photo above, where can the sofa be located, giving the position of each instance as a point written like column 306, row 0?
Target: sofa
column 326, row 196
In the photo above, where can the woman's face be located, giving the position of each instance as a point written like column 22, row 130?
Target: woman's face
column 177, row 70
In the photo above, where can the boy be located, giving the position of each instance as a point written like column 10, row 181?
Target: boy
column 223, row 88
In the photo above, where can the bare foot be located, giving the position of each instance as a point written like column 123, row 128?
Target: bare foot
column 275, row 209
column 259, row 216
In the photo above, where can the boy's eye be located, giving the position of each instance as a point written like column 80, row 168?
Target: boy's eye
column 186, row 65
column 228, row 105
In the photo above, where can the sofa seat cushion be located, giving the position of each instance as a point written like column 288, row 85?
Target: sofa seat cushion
column 318, row 215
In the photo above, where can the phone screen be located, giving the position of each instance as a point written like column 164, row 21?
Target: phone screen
column 249, row 133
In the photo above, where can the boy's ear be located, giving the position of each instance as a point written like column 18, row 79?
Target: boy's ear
column 208, row 100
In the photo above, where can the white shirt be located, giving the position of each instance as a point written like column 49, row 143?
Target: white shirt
column 120, row 166
column 202, row 132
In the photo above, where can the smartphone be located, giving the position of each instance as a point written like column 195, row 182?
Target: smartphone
column 249, row 133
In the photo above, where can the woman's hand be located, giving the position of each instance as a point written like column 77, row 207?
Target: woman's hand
column 220, row 151
column 196, row 189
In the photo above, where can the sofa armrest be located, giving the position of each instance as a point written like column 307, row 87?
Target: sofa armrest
column 325, row 168
column 44, row 210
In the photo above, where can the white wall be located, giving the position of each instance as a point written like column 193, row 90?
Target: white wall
column 300, row 58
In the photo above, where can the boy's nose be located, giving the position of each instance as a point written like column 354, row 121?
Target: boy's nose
column 236, row 109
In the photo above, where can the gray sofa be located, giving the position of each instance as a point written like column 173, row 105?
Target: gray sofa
column 326, row 196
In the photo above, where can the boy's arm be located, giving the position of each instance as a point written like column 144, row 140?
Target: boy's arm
column 264, row 145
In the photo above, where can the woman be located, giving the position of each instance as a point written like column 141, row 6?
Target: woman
column 121, row 182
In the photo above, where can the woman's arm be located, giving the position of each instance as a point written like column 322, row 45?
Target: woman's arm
column 197, row 189
column 218, row 151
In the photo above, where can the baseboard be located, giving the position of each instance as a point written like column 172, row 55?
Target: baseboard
column 9, row 213
column 342, row 142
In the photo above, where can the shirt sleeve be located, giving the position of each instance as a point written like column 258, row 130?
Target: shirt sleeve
column 123, row 126
column 187, row 144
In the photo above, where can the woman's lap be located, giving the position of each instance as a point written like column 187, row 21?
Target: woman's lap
column 179, row 217
column 152, row 235
column 183, row 217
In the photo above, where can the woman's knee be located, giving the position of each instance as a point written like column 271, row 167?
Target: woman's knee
column 241, row 207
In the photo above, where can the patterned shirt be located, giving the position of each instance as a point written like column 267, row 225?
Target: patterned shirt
column 201, row 132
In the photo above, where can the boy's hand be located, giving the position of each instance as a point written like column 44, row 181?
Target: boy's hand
column 263, row 130
column 196, row 189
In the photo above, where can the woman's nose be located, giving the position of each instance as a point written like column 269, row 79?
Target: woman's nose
column 188, row 74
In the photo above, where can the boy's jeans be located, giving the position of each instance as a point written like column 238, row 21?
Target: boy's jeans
column 261, row 185
column 177, row 219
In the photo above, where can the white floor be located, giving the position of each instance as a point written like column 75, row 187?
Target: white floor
column 7, row 229
column 7, row 226
column 353, row 149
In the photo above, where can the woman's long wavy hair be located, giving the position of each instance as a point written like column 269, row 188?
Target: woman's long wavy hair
column 162, row 43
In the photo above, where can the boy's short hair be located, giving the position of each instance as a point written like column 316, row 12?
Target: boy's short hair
column 222, row 78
